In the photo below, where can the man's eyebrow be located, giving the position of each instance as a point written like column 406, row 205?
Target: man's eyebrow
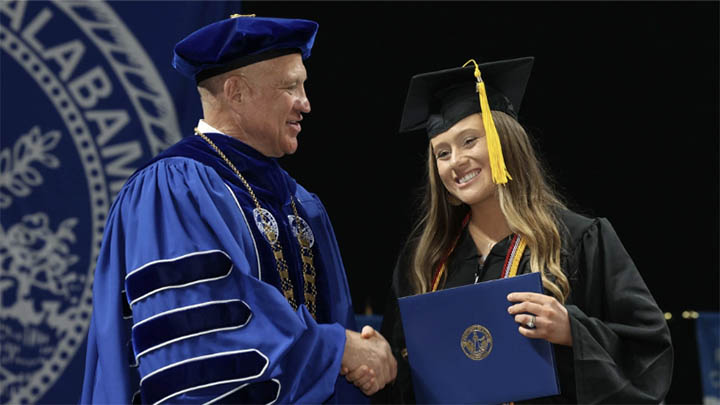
column 293, row 80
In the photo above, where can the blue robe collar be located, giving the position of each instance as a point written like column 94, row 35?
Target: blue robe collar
column 269, row 181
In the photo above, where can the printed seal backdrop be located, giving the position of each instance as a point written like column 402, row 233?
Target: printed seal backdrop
column 88, row 95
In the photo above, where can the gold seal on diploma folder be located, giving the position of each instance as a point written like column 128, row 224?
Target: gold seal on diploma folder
column 476, row 342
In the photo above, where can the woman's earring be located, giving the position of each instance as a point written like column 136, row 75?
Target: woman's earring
column 454, row 201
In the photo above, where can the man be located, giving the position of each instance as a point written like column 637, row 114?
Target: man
column 231, row 278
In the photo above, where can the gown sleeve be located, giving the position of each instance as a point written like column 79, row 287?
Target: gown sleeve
column 621, row 343
column 204, row 326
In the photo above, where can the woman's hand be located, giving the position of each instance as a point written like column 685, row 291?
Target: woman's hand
column 550, row 320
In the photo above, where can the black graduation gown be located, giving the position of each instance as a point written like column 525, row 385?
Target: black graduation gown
column 621, row 353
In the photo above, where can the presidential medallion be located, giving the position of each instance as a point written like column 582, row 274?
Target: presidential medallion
column 476, row 342
column 266, row 223
column 302, row 231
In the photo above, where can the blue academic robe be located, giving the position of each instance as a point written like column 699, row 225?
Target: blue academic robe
column 187, row 304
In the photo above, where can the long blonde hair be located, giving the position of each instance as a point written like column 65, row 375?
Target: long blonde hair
column 527, row 201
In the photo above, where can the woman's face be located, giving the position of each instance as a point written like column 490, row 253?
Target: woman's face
column 462, row 160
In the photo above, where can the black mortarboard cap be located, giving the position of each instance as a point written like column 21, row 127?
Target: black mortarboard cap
column 438, row 100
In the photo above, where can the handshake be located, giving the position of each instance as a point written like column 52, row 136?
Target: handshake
column 368, row 361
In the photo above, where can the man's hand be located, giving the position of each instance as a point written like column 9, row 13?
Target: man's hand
column 368, row 361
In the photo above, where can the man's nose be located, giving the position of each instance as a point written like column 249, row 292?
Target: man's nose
column 304, row 103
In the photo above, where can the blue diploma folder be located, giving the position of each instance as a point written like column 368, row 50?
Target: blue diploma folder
column 464, row 347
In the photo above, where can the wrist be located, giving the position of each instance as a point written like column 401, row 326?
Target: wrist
column 349, row 346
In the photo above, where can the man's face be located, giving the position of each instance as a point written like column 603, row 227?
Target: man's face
column 274, row 106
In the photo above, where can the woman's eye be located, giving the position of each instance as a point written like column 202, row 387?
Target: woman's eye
column 441, row 154
column 471, row 140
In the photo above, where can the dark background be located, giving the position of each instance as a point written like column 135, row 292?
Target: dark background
column 622, row 104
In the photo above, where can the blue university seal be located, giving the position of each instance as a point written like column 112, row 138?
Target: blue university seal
column 83, row 108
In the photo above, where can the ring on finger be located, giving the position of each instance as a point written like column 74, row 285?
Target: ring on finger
column 531, row 323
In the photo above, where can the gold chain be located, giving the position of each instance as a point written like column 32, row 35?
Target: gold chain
column 308, row 267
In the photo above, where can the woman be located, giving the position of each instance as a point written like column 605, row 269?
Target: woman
column 487, row 194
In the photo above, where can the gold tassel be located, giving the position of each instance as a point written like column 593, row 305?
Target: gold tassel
column 500, row 174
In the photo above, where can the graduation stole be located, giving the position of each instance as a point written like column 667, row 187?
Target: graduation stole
column 512, row 258
column 308, row 267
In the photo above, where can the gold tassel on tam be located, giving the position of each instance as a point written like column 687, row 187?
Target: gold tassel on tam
column 500, row 174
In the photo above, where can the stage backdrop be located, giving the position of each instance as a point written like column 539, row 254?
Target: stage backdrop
column 88, row 94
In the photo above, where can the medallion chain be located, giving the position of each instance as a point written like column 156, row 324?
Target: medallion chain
column 308, row 267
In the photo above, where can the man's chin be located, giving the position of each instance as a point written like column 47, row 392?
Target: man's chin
column 290, row 147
